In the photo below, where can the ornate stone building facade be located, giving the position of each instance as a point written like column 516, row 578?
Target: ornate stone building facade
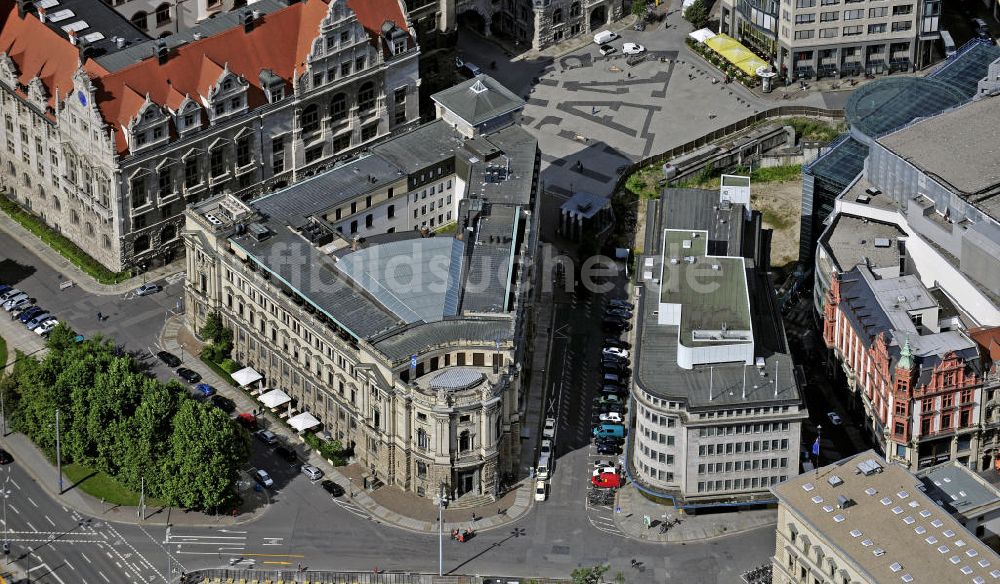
column 108, row 139
column 405, row 346
column 537, row 24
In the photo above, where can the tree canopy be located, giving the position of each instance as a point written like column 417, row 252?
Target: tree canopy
column 116, row 418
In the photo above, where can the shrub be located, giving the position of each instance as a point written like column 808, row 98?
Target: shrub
column 229, row 366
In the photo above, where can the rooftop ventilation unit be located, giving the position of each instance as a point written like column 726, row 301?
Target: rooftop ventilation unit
column 844, row 502
column 873, row 191
column 259, row 231
column 835, row 481
column 882, row 242
column 213, row 219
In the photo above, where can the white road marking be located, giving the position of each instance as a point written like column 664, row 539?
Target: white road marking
column 103, row 576
column 70, row 565
column 50, row 521
column 13, row 508
column 86, row 558
column 31, row 526
column 30, row 500
column 17, row 486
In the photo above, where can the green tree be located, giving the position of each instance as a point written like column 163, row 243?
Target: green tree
column 207, row 450
column 212, row 326
column 697, row 14
column 144, row 439
column 589, row 575
column 639, row 7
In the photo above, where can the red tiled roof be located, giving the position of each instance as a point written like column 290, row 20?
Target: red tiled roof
column 989, row 340
column 38, row 51
column 280, row 41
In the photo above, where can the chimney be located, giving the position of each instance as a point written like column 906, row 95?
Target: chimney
column 354, row 244
column 120, row 42
column 41, row 14
column 248, row 18
column 72, row 37
column 162, row 53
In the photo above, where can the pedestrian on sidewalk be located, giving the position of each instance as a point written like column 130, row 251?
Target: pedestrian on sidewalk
column 99, row 316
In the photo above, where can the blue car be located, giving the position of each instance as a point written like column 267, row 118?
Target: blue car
column 205, row 389
column 4, row 288
column 30, row 314
column 38, row 319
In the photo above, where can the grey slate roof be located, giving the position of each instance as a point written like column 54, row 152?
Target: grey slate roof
column 399, row 345
column 294, row 204
column 479, row 99
column 309, row 272
column 100, row 18
column 428, row 145
column 137, row 51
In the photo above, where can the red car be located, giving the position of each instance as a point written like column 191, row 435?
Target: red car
column 248, row 421
column 607, row 480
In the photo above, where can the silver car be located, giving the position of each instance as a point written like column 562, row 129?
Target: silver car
column 312, row 472
column 15, row 301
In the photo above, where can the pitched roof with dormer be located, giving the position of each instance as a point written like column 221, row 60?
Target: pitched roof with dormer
column 279, row 41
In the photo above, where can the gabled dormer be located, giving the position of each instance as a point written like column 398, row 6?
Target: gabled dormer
column 8, row 71
column 397, row 41
column 37, row 94
column 148, row 127
column 227, row 96
column 273, row 85
column 187, row 118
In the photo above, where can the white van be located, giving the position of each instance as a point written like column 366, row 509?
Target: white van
column 544, row 467
column 948, row 42
column 605, row 36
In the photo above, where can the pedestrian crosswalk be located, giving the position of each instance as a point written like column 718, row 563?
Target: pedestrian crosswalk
column 353, row 508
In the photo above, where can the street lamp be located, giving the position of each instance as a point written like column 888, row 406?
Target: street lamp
column 6, row 493
column 59, row 453
column 442, row 502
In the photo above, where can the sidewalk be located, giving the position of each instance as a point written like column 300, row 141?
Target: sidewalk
column 632, row 506
column 388, row 504
column 68, row 271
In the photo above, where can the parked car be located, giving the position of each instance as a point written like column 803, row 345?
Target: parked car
column 541, row 490
column 27, row 313
column 633, row 49
column 263, row 478
column 834, row 418
column 333, row 488
column 266, row 436
column 169, row 358
column 616, row 343
column 224, row 403
column 37, row 320
column 286, row 454
column 205, row 389
column 9, row 293
column 610, row 390
column 248, row 421
column 621, row 303
column 3, row 289
column 549, row 431
column 5, row 457
column 606, row 50
column 618, row 313
column 147, row 289
column 612, row 397
column 615, row 352
column 188, row 375
column 608, row 447
column 46, row 327
column 312, row 472
column 607, row 481
column 611, row 417
column 546, row 447
column 608, row 469
column 15, row 301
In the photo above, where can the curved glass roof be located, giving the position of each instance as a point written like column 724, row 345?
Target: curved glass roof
column 457, row 378
column 884, row 105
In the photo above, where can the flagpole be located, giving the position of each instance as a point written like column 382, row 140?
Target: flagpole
column 819, row 434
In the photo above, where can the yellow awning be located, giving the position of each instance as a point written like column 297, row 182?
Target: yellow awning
column 734, row 52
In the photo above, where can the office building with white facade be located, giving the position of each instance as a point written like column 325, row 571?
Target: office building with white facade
column 717, row 409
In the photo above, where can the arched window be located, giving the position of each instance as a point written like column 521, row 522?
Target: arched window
column 338, row 107
column 423, row 439
column 141, row 243
column 75, row 217
column 90, row 229
column 106, row 241
column 464, row 441
column 557, row 16
column 163, row 14
column 366, row 96
column 139, row 20
column 169, row 232
column 26, row 179
column 310, row 119
column 574, row 9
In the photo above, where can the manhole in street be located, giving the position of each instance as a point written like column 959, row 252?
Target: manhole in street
column 560, row 549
